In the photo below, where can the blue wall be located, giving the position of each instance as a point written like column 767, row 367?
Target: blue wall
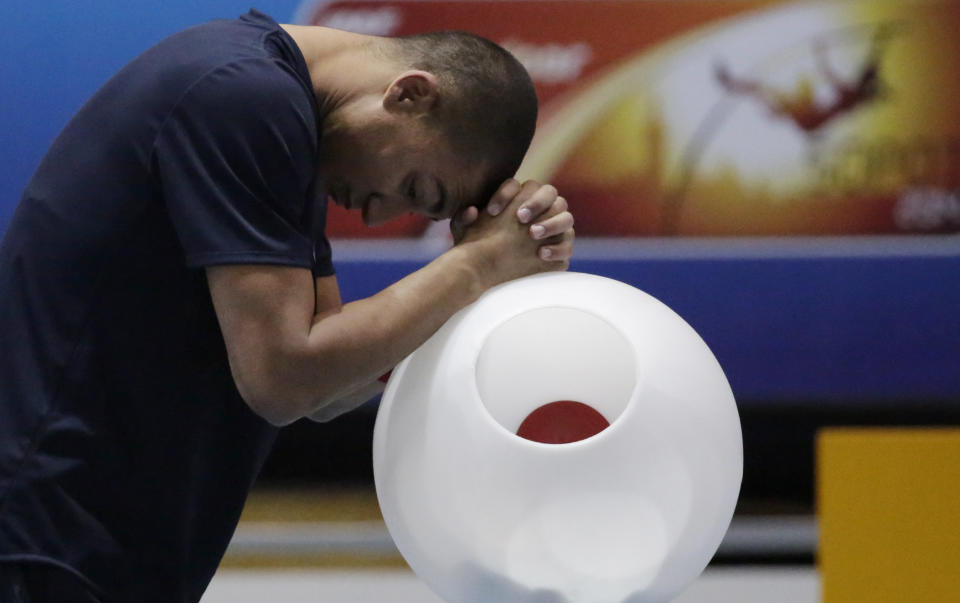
column 54, row 55
column 840, row 329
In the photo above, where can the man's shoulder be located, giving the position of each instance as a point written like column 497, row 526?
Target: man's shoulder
column 190, row 55
column 223, row 71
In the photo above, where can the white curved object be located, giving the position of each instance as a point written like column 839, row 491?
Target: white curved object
column 631, row 514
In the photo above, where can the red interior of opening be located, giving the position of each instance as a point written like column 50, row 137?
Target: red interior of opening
column 562, row 422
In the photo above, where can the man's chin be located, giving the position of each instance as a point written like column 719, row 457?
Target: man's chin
column 372, row 223
column 370, row 216
column 367, row 219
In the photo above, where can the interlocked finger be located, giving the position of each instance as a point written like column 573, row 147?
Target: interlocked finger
column 558, row 248
column 554, row 225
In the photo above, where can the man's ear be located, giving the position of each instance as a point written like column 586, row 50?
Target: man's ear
column 413, row 92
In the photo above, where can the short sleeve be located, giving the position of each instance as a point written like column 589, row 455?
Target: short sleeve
column 236, row 160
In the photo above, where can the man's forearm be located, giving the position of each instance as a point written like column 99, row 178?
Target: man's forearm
column 293, row 348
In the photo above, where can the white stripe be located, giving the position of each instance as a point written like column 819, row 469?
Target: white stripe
column 755, row 535
column 687, row 248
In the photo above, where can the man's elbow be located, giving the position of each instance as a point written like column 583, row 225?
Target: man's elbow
column 282, row 386
column 276, row 403
column 278, row 414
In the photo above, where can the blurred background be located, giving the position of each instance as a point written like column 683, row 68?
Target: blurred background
column 784, row 175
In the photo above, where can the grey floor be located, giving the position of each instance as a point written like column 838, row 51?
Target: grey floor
column 724, row 585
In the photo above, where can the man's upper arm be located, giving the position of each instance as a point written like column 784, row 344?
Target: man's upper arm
column 266, row 313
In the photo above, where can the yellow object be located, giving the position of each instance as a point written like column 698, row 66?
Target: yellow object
column 889, row 512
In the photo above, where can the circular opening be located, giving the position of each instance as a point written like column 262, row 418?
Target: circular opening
column 562, row 422
column 555, row 375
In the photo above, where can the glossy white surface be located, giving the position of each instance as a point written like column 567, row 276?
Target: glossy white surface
column 632, row 514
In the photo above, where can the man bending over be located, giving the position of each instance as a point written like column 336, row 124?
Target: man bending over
column 167, row 293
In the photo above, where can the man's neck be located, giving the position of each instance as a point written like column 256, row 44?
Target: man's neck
column 344, row 67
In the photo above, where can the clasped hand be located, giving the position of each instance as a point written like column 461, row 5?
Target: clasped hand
column 533, row 209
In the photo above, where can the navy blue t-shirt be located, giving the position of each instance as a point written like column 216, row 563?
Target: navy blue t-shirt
column 126, row 452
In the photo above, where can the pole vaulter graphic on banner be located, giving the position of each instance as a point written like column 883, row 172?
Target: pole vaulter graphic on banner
column 729, row 118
